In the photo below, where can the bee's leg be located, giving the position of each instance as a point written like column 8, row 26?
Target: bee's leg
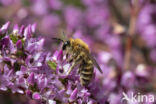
column 75, row 63
column 70, row 58
column 67, row 55
column 71, row 68
column 79, row 70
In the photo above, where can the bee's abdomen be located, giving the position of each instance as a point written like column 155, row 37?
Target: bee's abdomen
column 86, row 72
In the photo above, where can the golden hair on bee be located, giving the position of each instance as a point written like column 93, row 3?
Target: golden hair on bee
column 79, row 42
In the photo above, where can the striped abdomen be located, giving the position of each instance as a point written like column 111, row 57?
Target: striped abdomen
column 86, row 72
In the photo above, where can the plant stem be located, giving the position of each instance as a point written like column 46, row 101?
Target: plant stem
column 131, row 32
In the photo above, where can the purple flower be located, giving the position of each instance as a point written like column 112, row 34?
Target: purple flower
column 153, row 55
column 28, row 93
column 96, row 16
column 4, row 28
column 28, row 32
column 58, row 55
column 92, row 3
column 73, row 95
column 8, row 2
column 50, row 23
column 43, row 82
column 34, row 45
column 31, row 79
column 16, row 29
column 52, row 102
column 36, row 96
column 115, row 98
column 73, row 17
column 21, row 30
column 55, row 4
column 146, row 26
column 37, row 7
column 19, row 44
column 140, row 2
column 141, row 71
column 128, row 80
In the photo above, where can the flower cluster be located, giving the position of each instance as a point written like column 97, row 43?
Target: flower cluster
column 146, row 27
column 26, row 69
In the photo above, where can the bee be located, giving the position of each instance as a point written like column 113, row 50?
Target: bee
column 79, row 55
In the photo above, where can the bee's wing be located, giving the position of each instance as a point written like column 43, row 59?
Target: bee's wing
column 95, row 63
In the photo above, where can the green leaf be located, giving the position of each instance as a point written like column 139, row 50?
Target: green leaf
column 64, row 80
column 52, row 65
column 26, row 2
column 77, row 3
column 1, row 36
column 20, row 53
column 13, row 38
column 22, row 42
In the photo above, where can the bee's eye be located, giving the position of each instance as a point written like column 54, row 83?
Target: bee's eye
column 67, row 43
column 64, row 47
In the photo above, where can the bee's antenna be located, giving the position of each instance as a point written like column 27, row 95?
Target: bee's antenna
column 64, row 35
column 58, row 39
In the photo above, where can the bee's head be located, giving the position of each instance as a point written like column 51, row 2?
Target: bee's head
column 66, row 45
